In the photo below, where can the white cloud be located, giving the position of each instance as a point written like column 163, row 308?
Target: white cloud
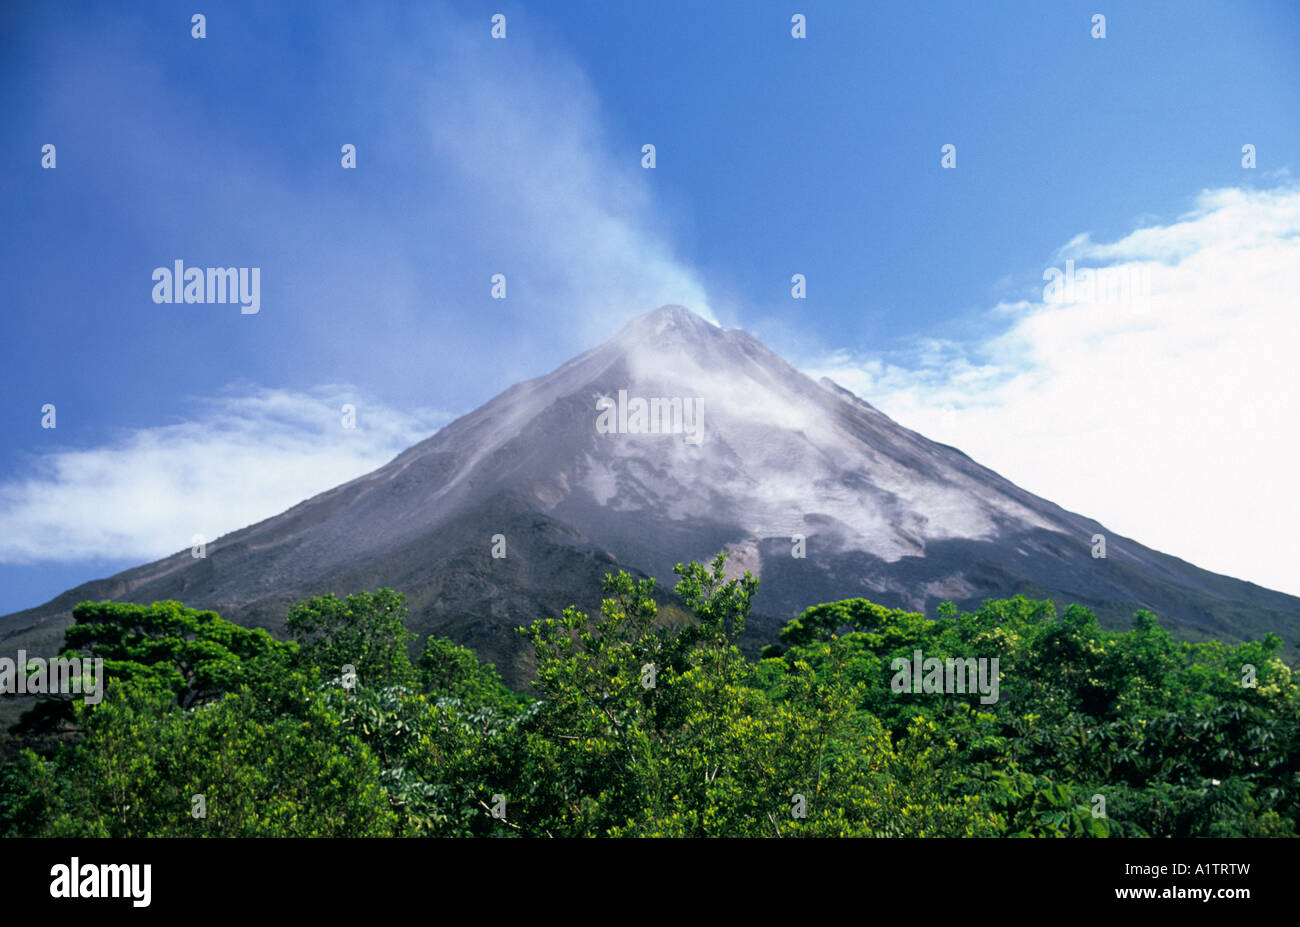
column 1175, row 422
column 244, row 456
column 561, row 202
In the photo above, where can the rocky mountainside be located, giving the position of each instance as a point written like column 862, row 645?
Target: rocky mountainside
column 670, row 442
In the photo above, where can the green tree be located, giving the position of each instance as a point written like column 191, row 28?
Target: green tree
column 366, row 631
column 449, row 670
column 143, row 761
column 196, row 656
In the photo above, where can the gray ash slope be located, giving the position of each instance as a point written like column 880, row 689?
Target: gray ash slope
column 887, row 515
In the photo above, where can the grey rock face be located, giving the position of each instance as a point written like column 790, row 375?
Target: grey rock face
column 732, row 449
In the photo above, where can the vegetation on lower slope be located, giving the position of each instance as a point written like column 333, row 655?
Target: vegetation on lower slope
column 643, row 727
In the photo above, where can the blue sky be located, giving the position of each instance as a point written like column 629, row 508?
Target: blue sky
column 521, row 156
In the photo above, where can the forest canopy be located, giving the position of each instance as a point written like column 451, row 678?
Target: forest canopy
column 851, row 725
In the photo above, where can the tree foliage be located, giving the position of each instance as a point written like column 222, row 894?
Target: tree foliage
column 366, row 631
column 640, row 726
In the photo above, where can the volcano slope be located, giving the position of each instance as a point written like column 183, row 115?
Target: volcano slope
column 576, row 479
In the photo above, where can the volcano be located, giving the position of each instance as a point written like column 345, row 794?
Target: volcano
column 674, row 440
